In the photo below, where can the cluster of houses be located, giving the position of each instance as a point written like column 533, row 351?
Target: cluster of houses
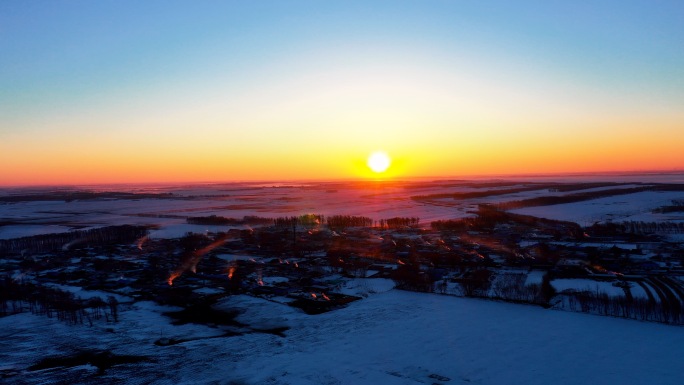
column 306, row 266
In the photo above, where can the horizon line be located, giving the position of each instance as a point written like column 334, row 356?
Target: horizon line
column 355, row 179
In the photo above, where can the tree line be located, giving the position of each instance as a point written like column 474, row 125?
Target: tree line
column 69, row 196
column 340, row 222
column 309, row 221
column 49, row 242
column 480, row 194
column 398, row 222
column 584, row 196
column 306, row 220
column 553, row 187
column 598, row 302
column 17, row 297
column 223, row 221
column 636, row 227
column 677, row 206
column 488, row 216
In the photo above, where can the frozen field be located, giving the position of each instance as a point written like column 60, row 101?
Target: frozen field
column 388, row 337
column 631, row 207
column 391, row 337
column 375, row 200
column 234, row 201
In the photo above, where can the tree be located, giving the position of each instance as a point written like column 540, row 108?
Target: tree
column 546, row 291
column 476, row 283
column 113, row 308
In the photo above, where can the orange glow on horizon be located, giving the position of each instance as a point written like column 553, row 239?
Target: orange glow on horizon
column 473, row 153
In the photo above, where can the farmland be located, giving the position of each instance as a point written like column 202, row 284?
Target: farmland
column 295, row 277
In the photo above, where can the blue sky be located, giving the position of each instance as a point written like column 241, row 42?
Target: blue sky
column 84, row 69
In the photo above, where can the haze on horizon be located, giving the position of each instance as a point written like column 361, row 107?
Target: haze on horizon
column 160, row 91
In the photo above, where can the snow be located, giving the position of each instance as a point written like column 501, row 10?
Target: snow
column 273, row 280
column 387, row 337
column 587, row 285
column 363, row 287
column 604, row 245
column 638, row 291
column 630, row 207
column 259, row 313
column 235, row 257
column 678, row 238
column 86, row 294
column 391, row 337
column 229, row 200
column 18, row 231
column 381, row 201
column 535, row 277
column 208, row 291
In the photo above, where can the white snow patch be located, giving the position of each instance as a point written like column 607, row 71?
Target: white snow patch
column 535, row 277
column 636, row 207
column 393, row 337
column 363, row 287
column 85, row 294
column 577, row 285
column 18, row 231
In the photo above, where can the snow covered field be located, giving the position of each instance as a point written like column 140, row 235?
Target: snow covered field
column 17, row 231
column 631, row 207
column 572, row 285
column 391, row 337
column 374, row 200
column 388, row 337
column 232, row 201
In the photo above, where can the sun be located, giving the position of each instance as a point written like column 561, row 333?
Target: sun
column 379, row 161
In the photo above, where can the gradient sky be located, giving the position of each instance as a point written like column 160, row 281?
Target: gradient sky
column 159, row 91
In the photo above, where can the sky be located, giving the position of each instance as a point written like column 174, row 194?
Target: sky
column 180, row 91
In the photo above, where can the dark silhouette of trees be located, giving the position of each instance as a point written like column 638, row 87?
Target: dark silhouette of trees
column 398, row 222
column 410, row 277
column 223, row 221
column 256, row 220
column 69, row 196
column 340, row 222
column 635, row 228
column 586, row 195
column 53, row 302
column 488, row 217
column 213, row 220
column 476, row 283
column 47, row 242
column 546, row 291
column 492, row 191
column 643, row 309
column 113, row 307
column 511, row 287
column 193, row 241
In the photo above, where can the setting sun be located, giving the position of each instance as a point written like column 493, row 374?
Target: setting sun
column 379, row 161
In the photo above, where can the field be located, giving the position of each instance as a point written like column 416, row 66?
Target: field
column 391, row 337
column 218, row 307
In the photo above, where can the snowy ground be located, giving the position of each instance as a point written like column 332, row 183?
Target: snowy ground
column 18, row 231
column 375, row 200
column 575, row 285
column 233, row 201
column 390, row 337
column 630, row 207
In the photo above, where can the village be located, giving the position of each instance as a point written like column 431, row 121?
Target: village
column 304, row 261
